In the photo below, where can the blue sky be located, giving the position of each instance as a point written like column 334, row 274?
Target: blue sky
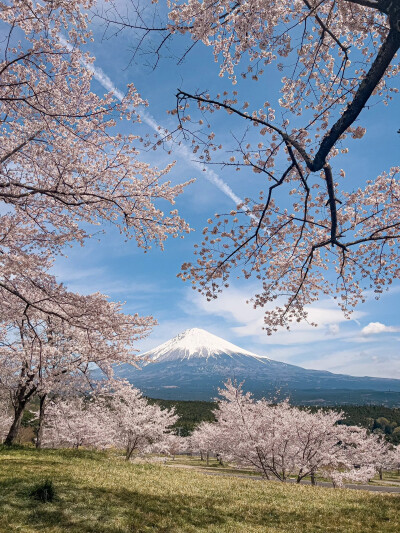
column 368, row 344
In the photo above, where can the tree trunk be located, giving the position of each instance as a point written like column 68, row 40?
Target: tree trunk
column 22, row 395
column 129, row 451
column 208, row 457
column 42, row 408
column 380, row 470
column 13, row 432
column 313, row 481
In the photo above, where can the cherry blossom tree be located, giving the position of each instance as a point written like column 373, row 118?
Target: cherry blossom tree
column 45, row 353
column 379, row 453
column 76, row 383
column 335, row 57
column 205, row 439
column 5, row 416
column 311, row 231
column 256, row 433
column 73, row 422
column 115, row 414
column 62, row 166
column 135, row 424
column 173, row 445
column 63, row 170
column 396, row 458
column 317, row 437
column 280, row 440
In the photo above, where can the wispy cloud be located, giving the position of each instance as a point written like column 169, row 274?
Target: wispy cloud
column 87, row 280
column 357, row 361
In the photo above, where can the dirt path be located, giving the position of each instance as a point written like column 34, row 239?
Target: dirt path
column 371, row 488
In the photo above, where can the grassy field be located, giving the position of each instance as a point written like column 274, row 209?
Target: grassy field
column 100, row 493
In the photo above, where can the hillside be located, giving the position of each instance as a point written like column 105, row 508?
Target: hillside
column 100, row 493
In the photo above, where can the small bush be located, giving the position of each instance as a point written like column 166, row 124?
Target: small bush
column 44, row 491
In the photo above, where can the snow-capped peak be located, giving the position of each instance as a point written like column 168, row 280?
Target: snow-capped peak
column 196, row 343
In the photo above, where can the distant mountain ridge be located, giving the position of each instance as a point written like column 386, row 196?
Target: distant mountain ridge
column 195, row 363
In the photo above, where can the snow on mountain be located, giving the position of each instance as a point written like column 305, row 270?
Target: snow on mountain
column 195, row 343
column 195, row 364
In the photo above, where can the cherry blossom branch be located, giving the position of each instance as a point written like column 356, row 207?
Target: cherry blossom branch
column 182, row 95
column 17, row 149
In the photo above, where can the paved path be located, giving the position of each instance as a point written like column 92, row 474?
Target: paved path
column 371, row 488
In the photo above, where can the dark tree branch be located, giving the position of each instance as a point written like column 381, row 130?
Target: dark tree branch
column 367, row 86
column 19, row 147
column 374, row 4
column 325, row 29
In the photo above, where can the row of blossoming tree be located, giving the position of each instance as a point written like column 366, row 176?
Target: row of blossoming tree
column 63, row 167
column 116, row 415
column 281, row 441
column 277, row 440
column 63, row 171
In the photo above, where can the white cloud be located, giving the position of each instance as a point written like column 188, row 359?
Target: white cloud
column 88, row 280
column 373, row 328
column 248, row 322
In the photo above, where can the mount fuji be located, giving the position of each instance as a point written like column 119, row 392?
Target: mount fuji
column 195, row 363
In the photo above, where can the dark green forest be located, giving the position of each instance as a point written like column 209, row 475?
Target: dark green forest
column 190, row 413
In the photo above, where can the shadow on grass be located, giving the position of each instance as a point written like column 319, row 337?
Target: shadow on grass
column 98, row 510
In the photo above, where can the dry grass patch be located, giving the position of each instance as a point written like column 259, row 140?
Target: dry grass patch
column 97, row 493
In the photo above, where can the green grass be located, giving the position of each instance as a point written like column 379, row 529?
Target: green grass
column 101, row 493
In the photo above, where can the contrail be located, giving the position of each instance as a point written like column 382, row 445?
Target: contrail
column 186, row 154
column 181, row 149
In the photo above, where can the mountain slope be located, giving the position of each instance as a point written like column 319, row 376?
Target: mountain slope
column 194, row 364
